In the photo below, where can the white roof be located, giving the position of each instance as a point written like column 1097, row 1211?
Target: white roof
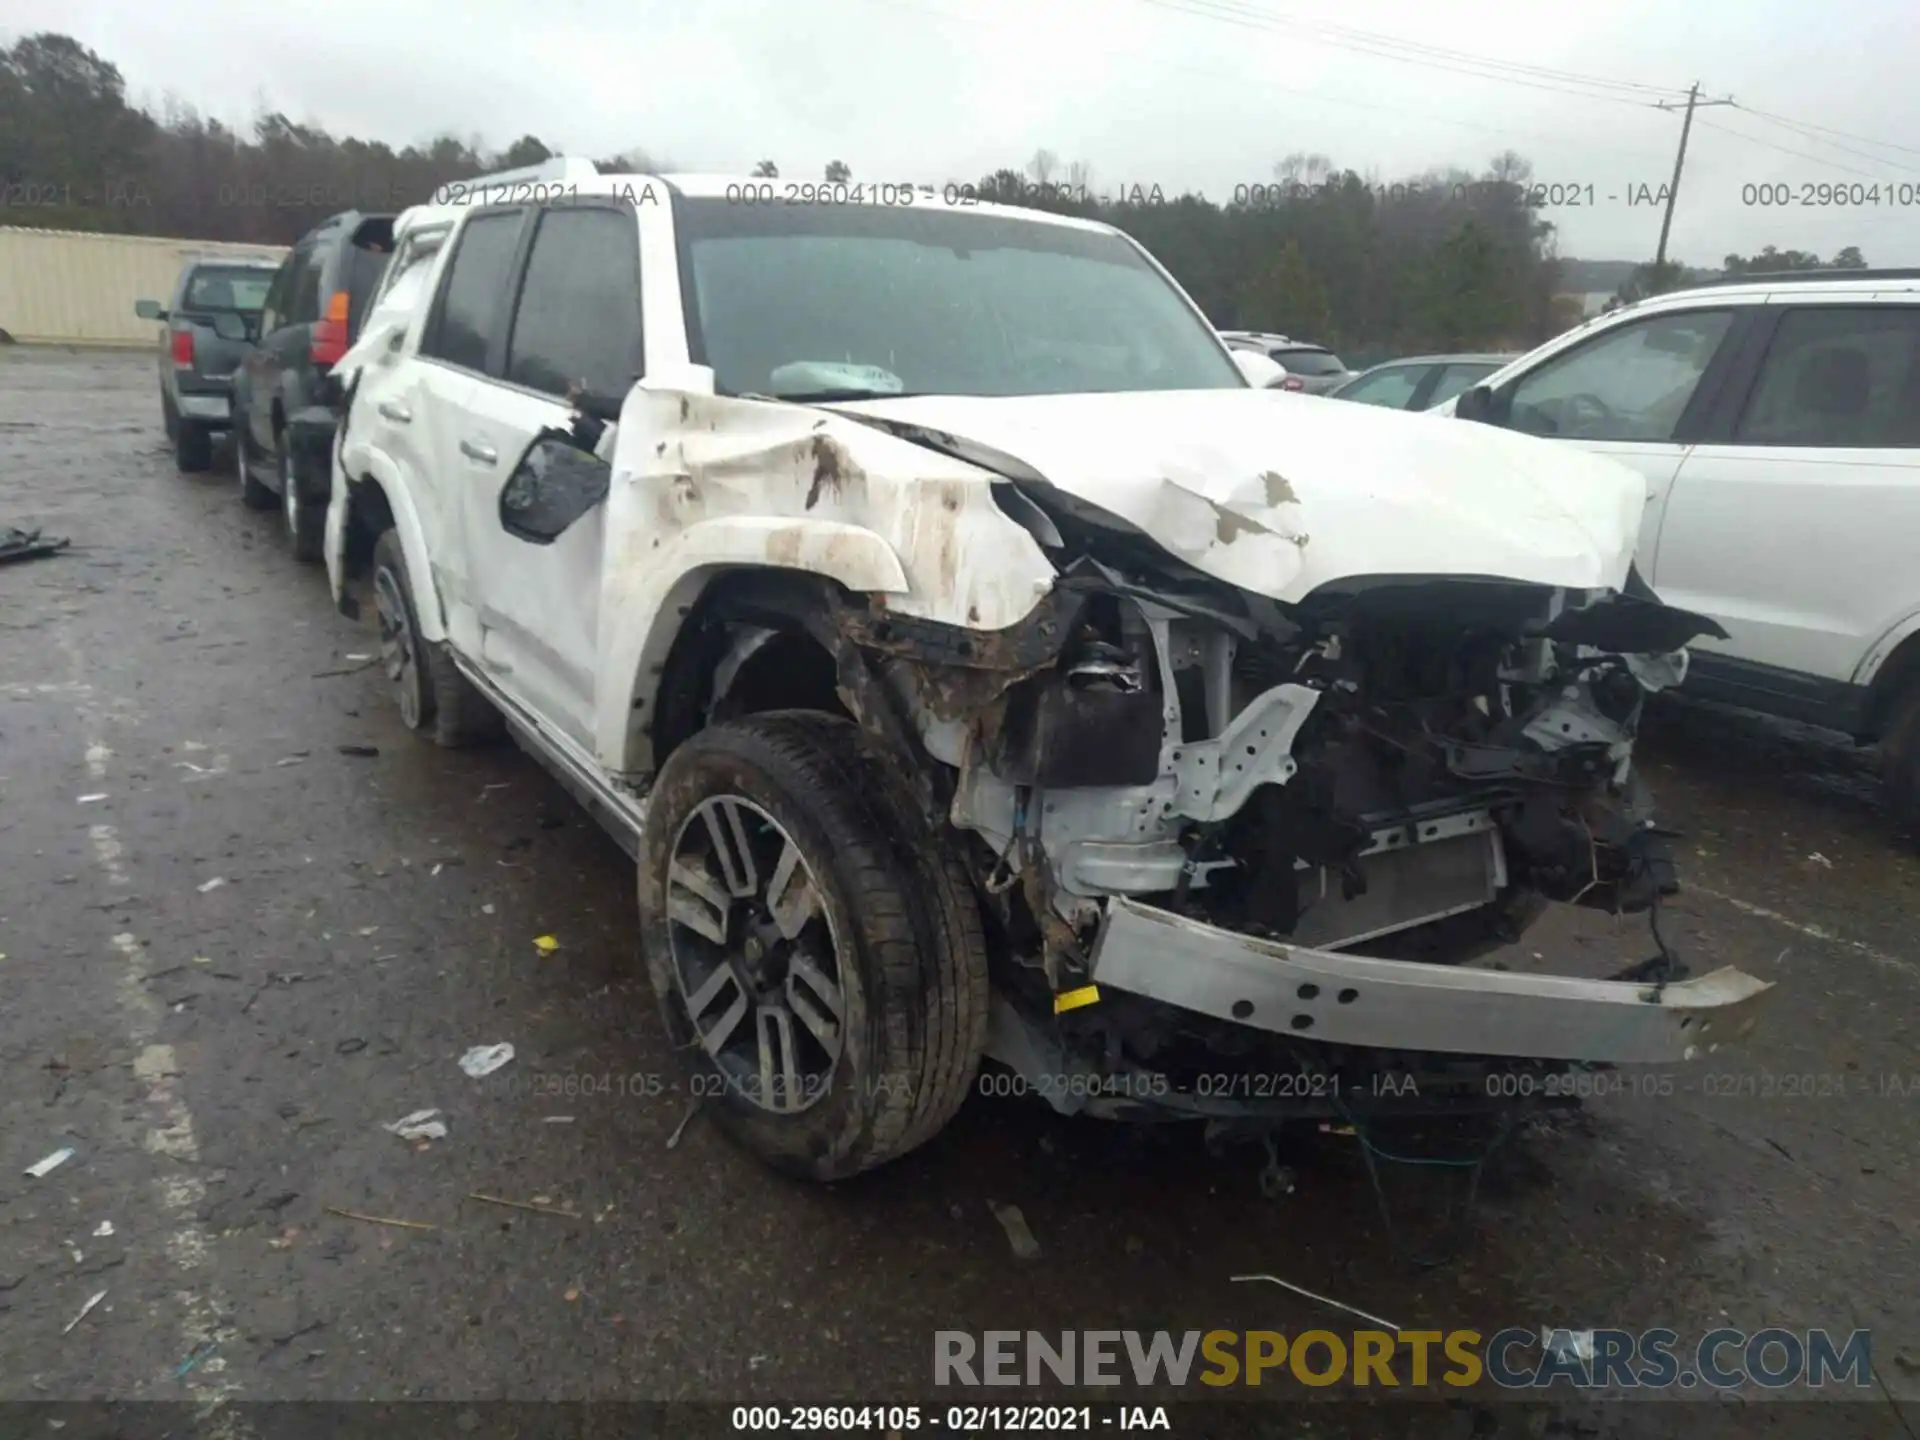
column 572, row 175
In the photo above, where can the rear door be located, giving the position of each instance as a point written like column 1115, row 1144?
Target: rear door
column 575, row 322
column 464, row 330
column 1793, row 521
column 275, row 366
column 1636, row 393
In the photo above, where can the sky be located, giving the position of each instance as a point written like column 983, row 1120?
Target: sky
column 1203, row 95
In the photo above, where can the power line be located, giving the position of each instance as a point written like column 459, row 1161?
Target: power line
column 1807, row 133
column 1428, row 57
column 1238, row 78
column 1800, row 154
column 1828, row 130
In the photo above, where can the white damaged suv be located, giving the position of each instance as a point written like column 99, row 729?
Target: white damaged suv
column 978, row 663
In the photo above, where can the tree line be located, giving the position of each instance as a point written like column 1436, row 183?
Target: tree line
column 1447, row 260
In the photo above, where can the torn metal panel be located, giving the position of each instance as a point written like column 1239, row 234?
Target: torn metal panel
column 704, row 484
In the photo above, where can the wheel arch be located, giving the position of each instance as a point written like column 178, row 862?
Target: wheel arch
column 1890, row 666
column 376, row 500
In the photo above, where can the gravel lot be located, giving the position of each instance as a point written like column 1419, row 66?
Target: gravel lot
column 225, row 977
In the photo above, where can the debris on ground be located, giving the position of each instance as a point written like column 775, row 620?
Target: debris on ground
column 546, row 944
column 1025, row 1247
column 18, row 544
column 420, row 1125
column 378, row 1219
column 693, row 1109
column 485, row 1059
column 104, row 1228
column 214, row 884
column 536, row 1208
column 556, row 1119
column 195, row 1356
column 355, row 664
column 91, row 799
column 1817, row 858
column 363, row 752
column 1323, row 1299
column 293, row 759
column 85, row 1310
column 40, row 1169
column 1568, row 1345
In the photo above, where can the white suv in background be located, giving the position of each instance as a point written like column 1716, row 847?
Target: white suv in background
column 1776, row 421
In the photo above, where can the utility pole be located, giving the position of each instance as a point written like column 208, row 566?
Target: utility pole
column 1680, row 159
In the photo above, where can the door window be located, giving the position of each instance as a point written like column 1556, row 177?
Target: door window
column 1454, row 379
column 578, row 320
column 1838, row 376
column 1392, row 388
column 303, row 300
column 469, row 297
column 274, row 313
column 1632, row 383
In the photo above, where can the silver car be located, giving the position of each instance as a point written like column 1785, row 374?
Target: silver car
column 1311, row 369
column 1420, row 382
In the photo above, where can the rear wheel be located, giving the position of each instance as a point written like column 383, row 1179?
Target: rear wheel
column 435, row 699
column 1900, row 761
column 253, row 494
column 816, row 950
column 306, row 521
column 167, row 417
column 192, row 445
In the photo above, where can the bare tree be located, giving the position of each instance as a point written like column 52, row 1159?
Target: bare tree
column 1043, row 167
column 766, row 169
column 838, row 172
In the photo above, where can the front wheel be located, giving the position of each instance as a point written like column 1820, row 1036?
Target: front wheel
column 815, row 948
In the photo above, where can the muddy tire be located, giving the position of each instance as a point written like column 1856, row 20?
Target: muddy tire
column 433, row 697
column 169, row 421
column 820, row 967
column 192, row 446
column 253, row 494
column 1900, row 762
column 306, row 522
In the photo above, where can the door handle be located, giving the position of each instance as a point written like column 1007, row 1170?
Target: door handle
column 395, row 412
column 478, row 451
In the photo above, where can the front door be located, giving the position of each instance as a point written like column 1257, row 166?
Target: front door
column 576, row 323
column 1624, row 394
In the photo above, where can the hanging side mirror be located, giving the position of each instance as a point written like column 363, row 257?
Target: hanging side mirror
column 554, row 484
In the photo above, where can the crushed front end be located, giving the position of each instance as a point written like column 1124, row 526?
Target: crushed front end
column 1238, row 852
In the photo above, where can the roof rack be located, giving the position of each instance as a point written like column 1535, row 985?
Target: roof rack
column 1775, row 277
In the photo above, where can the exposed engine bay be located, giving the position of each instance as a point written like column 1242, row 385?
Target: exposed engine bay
column 1397, row 773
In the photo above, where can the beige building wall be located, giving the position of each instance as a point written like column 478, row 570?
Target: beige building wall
column 66, row 287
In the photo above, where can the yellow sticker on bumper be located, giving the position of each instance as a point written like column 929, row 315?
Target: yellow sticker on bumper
column 1074, row 999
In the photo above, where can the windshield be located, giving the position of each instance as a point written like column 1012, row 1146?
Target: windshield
column 825, row 301
column 1309, row 362
column 227, row 288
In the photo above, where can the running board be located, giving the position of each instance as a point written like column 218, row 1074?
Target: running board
column 621, row 816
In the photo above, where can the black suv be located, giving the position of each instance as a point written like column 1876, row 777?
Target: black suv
column 210, row 317
column 283, row 428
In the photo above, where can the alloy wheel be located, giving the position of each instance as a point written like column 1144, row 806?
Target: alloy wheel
column 399, row 651
column 755, row 955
